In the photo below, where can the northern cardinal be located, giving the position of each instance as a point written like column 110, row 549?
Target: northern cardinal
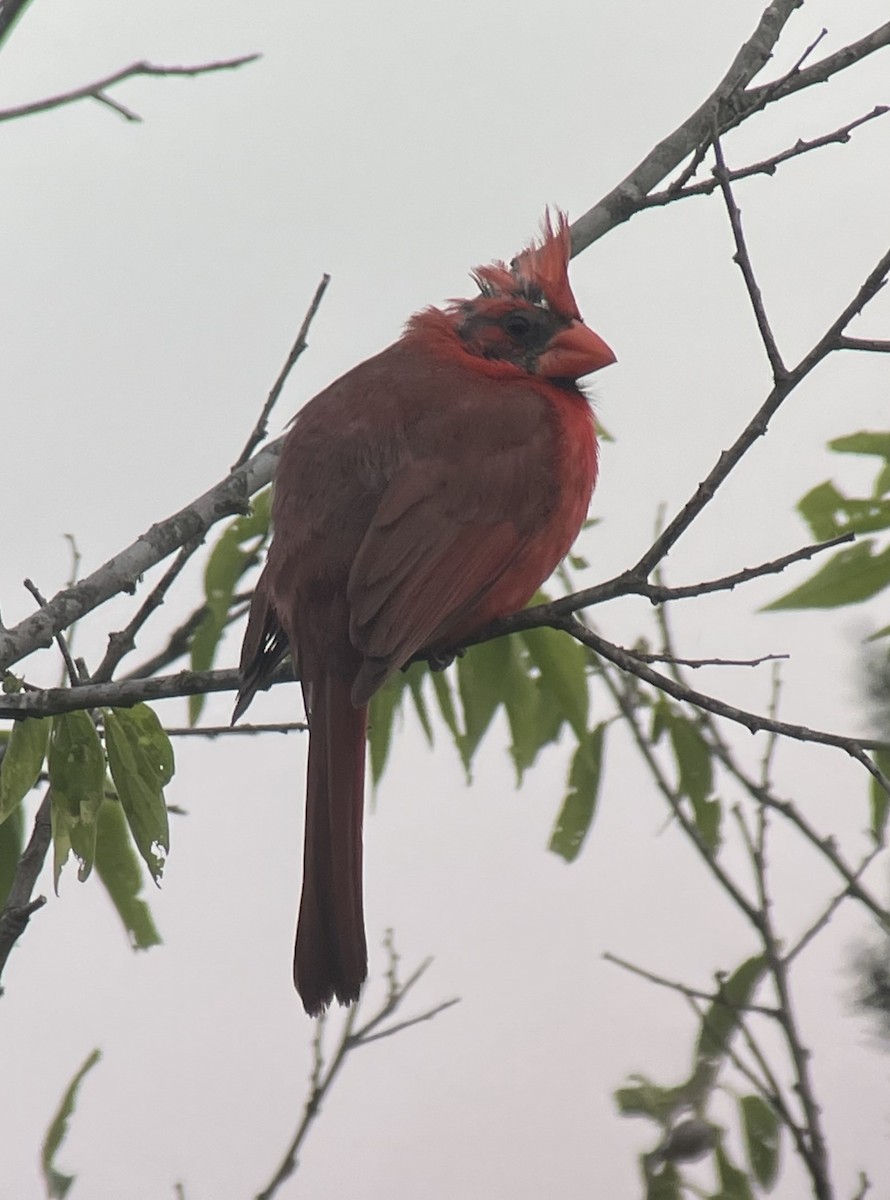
column 425, row 493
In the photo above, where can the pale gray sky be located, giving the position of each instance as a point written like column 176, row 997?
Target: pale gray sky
column 153, row 277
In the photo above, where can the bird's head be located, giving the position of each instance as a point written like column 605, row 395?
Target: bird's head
column 527, row 315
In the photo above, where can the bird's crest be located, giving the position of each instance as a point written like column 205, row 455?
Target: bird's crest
column 539, row 273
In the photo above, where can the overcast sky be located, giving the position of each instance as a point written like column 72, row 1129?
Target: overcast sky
column 152, row 279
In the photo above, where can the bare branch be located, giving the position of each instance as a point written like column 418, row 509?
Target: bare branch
column 821, row 71
column 751, row 721
column 681, row 191
column 261, row 428
column 759, row 423
column 122, row 572
column 831, row 908
column 743, row 259
column 632, row 583
column 732, row 102
column 873, row 345
column 98, row 90
column 816, row 1153
column 696, row 663
column 684, row 990
column 61, row 642
column 123, row 641
column 350, row 1039
column 215, row 731
column 121, row 693
column 19, row 906
column 624, row 200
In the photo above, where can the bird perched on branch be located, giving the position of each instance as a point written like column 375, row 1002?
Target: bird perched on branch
column 427, row 492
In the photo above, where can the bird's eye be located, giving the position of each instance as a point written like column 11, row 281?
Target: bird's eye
column 518, row 326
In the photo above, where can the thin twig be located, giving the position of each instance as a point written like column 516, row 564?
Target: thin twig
column 122, row 572
column 19, row 906
column 98, row 89
column 623, row 201
column 752, row 721
column 625, row 701
column 124, row 640
column 124, row 693
column 824, row 918
column 816, row 1155
column 684, row 990
column 60, row 639
column 743, row 259
column 262, row 426
column 350, row 1039
column 872, row 345
column 215, row 731
column 766, row 166
column 696, row 663
column 635, row 582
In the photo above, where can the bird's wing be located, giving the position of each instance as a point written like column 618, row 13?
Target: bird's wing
column 264, row 647
column 449, row 534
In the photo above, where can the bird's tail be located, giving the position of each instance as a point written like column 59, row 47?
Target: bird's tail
column 331, row 957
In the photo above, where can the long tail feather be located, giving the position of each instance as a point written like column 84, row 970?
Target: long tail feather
column 331, row 958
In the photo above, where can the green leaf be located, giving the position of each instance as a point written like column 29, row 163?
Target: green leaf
column 819, row 509
column 117, row 866
column 666, row 1184
column 525, row 704
column 721, row 1020
column 852, row 575
column 445, row 698
column 692, row 756
column 646, row 1099
column 22, row 761
column 734, row 1183
column 415, row 676
column 880, row 801
column 863, row 443
column 562, row 663
column 228, row 561
column 77, row 783
column 12, row 841
column 695, row 772
column 480, row 680
column 141, row 760
column 762, row 1132
column 579, row 806
column 708, row 816
column 385, row 703
column 57, row 1184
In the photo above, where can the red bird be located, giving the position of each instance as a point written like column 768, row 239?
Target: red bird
column 427, row 492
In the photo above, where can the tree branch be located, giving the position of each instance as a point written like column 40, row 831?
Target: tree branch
column 732, row 101
column 261, row 428
column 623, row 201
column 19, row 906
column 97, row 90
column 122, row 572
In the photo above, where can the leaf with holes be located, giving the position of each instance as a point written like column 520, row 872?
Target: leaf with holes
column 141, row 760
column 77, row 785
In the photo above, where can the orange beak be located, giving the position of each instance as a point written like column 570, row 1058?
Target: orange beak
column 574, row 352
